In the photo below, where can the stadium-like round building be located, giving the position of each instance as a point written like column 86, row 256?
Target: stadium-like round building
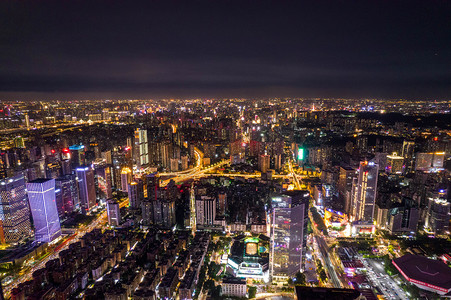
column 427, row 274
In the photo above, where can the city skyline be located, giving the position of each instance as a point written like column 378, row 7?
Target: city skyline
column 210, row 150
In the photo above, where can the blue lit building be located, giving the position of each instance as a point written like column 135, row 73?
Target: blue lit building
column 41, row 195
column 15, row 223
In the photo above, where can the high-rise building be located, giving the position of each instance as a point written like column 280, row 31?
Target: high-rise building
column 102, row 175
column 168, row 213
column 408, row 148
column 205, row 211
column 151, row 186
column 289, row 221
column 15, row 223
column 222, row 202
column 365, row 197
column 347, row 174
column 126, row 178
column 263, row 162
column 41, row 195
column 66, row 193
column 395, row 164
column 113, row 212
column 147, row 212
column 403, row 217
column 27, row 121
column 438, row 216
column 135, row 193
column 141, row 148
column 77, row 155
column 87, row 189
column 174, row 164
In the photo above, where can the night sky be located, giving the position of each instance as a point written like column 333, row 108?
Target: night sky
column 152, row 49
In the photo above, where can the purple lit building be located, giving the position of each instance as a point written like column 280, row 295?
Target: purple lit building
column 41, row 195
column 87, row 188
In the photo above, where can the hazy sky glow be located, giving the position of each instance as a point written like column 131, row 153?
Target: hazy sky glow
column 145, row 49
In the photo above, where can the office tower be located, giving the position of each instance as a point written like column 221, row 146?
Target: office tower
column 41, row 196
column 403, row 217
column 395, row 164
column 136, row 193
column 15, row 223
column 347, row 174
column 126, row 178
column 408, row 148
column 67, row 199
column 113, row 212
column 87, row 189
column 53, row 171
column 66, row 167
column 289, row 232
column 438, row 216
column 141, row 148
column 77, row 155
column 365, row 194
column 103, row 180
column 205, row 210
column 263, row 162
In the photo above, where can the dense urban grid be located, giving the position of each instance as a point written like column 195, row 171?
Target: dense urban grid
column 225, row 199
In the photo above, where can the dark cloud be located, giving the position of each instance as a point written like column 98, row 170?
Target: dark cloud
column 134, row 49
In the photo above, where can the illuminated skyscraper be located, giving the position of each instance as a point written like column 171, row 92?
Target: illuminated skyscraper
column 15, row 223
column 365, row 192
column 437, row 219
column 114, row 213
column 289, row 232
column 86, row 187
column 205, row 211
column 102, row 174
column 135, row 193
column 126, row 179
column 77, row 155
column 141, row 148
column 66, row 190
column 41, row 195
column 408, row 148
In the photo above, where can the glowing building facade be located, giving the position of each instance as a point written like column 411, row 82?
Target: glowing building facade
column 41, row 195
column 15, row 223
column 289, row 232
column 365, row 192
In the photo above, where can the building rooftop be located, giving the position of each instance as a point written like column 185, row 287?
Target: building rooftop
column 421, row 268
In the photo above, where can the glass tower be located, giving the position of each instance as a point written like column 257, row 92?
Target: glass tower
column 41, row 195
column 15, row 223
